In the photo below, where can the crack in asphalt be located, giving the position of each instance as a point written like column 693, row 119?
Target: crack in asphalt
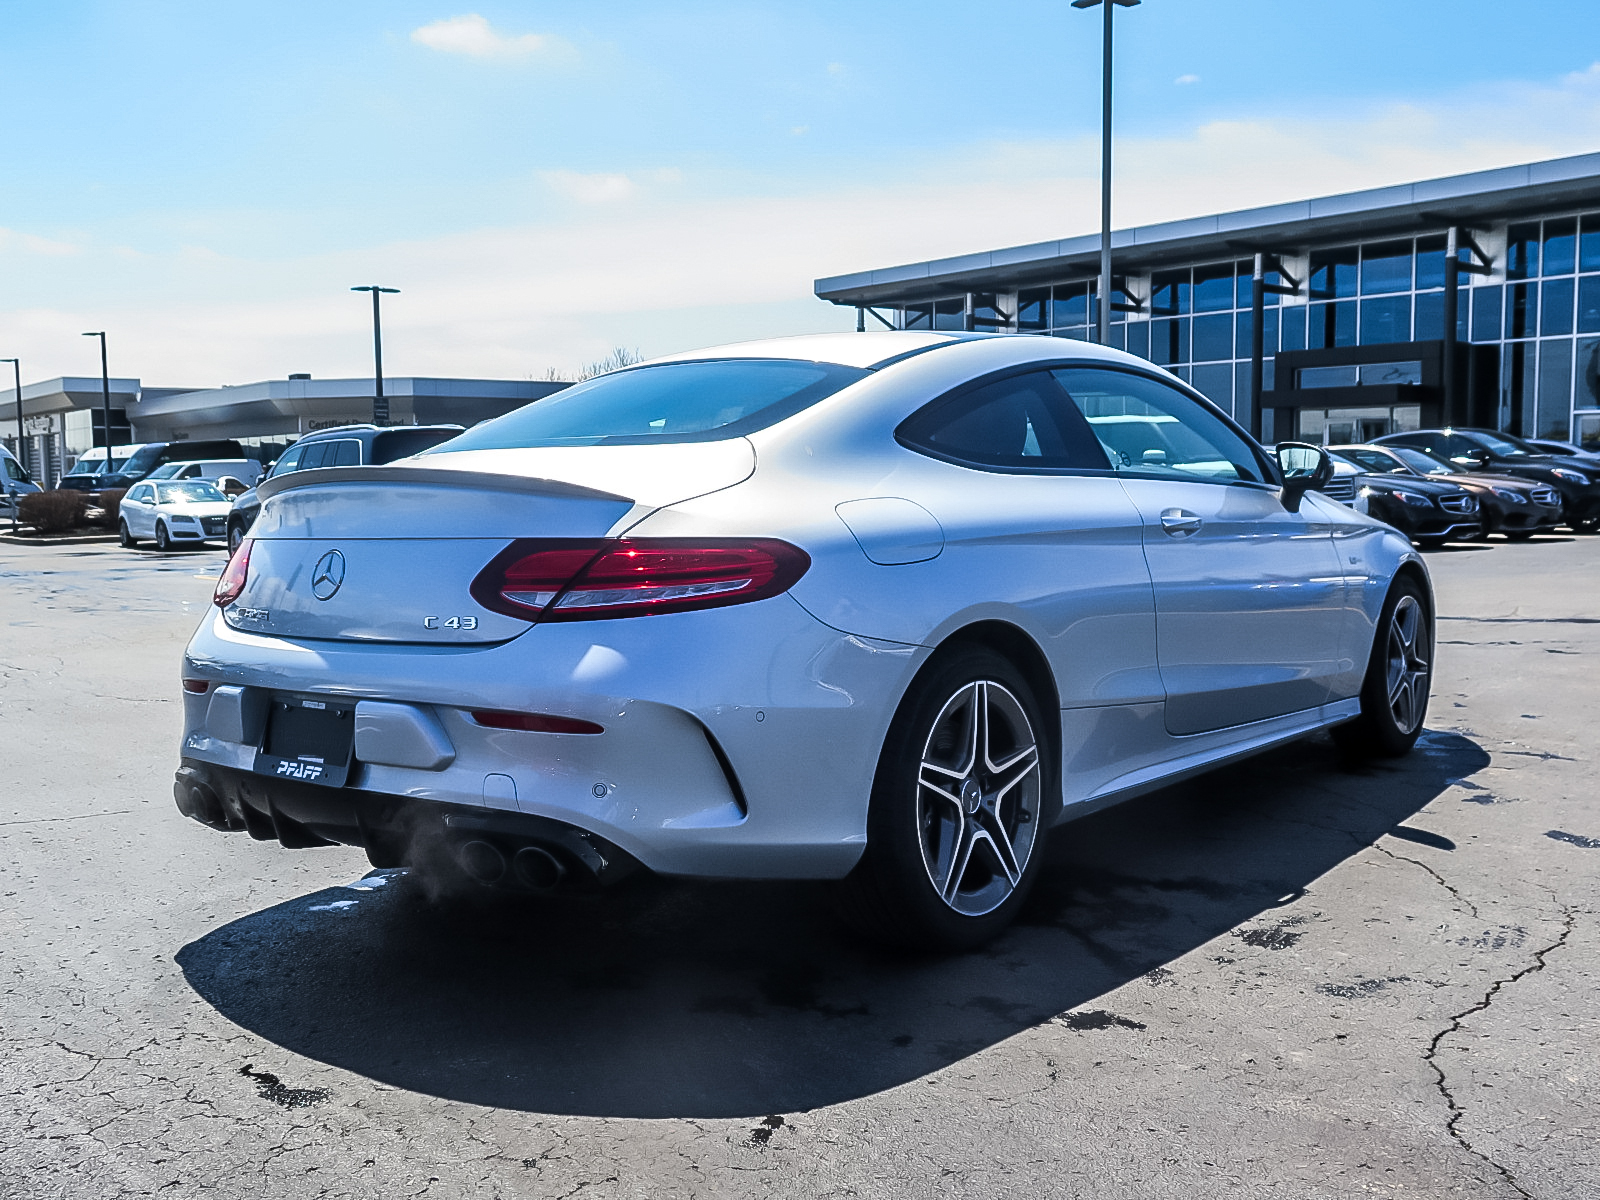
column 1438, row 878
column 1452, row 1126
column 118, row 812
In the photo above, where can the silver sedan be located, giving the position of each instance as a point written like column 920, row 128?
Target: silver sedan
column 877, row 608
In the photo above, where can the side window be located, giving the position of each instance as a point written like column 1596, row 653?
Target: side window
column 1023, row 422
column 141, row 494
column 347, row 454
column 15, row 473
column 316, row 455
column 290, row 461
column 1148, row 428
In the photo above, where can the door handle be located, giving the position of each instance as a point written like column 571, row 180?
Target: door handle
column 1180, row 523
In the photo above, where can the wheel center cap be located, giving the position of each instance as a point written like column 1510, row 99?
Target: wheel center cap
column 971, row 796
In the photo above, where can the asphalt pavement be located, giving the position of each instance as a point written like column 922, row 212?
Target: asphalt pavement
column 1295, row 978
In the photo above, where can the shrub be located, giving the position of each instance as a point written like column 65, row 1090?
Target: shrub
column 53, row 512
column 110, row 507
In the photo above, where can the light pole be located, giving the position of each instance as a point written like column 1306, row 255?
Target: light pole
column 380, row 402
column 105, row 394
column 16, row 496
column 1104, row 289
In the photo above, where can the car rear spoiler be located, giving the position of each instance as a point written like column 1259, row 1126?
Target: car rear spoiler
column 433, row 477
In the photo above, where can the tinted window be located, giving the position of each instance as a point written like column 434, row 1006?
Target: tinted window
column 14, row 471
column 1148, row 428
column 290, row 460
column 317, row 454
column 346, row 453
column 1372, row 460
column 672, row 402
column 1424, row 463
column 401, row 443
column 1023, row 422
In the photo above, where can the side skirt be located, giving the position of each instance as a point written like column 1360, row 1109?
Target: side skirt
column 1225, row 747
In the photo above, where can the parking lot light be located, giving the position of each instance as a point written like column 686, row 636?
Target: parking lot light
column 380, row 402
column 16, row 494
column 1103, row 335
column 105, row 394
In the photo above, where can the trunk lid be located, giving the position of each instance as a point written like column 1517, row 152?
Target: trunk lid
column 388, row 554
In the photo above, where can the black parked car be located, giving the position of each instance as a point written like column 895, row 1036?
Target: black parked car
column 146, row 458
column 1502, row 454
column 1518, row 508
column 1428, row 511
column 344, row 446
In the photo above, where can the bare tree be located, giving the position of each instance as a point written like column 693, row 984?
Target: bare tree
column 615, row 361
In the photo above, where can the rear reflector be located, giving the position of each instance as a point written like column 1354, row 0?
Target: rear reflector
column 232, row 581
column 198, row 686
column 535, row 722
column 580, row 580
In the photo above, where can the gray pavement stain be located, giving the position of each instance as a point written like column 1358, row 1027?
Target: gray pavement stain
column 1574, row 839
column 270, row 1087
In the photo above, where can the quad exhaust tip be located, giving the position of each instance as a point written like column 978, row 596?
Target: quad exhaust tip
column 533, row 867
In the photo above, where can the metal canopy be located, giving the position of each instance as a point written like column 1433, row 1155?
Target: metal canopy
column 1472, row 199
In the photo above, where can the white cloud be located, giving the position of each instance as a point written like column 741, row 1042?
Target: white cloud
column 597, row 188
column 10, row 239
column 472, row 35
column 1184, row 79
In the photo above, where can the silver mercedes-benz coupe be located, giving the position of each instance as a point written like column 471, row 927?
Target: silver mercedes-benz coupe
column 878, row 608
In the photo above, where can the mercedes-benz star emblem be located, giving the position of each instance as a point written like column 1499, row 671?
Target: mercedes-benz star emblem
column 328, row 575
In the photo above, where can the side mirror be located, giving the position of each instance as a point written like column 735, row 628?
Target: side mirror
column 1306, row 468
column 1483, row 458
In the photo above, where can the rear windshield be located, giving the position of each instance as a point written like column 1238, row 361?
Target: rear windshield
column 671, row 402
column 402, row 443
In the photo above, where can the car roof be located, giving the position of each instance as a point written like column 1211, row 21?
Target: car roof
column 868, row 350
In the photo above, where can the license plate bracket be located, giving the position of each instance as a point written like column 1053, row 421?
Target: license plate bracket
column 309, row 740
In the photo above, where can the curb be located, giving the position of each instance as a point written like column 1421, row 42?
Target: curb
column 12, row 539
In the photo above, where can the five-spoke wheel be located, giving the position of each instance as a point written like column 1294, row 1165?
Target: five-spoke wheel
column 1394, row 694
column 978, row 797
column 962, row 798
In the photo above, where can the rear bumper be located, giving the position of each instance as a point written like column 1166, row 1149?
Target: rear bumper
column 395, row 831
column 737, row 743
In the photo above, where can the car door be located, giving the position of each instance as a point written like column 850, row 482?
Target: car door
column 1032, row 517
column 1250, row 597
column 138, row 511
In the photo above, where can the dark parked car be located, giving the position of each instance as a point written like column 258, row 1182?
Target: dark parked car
column 1502, row 454
column 1583, row 456
column 1427, row 511
column 85, row 477
column 1518, row 508
column 345, row 446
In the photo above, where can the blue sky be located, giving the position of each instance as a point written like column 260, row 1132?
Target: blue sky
column 547, row 181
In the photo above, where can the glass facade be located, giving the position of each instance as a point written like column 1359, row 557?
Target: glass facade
column 1541, row 305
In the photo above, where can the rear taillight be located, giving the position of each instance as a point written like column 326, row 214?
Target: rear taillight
column 198, row 687
column 233, row 577
column 572, row 580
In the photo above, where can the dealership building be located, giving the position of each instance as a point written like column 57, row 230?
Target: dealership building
column 1471, row 300
column 62, row 418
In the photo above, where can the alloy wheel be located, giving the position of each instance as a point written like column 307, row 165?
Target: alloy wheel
column 978, row 792
column 1406, row 666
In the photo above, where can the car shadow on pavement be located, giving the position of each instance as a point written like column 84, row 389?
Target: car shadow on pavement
column 674, row 999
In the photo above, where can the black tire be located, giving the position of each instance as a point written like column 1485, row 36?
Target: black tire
column 124, row 538
column 1394, row 694
column 163, row 538
column 947, row 867
column 235, row 536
